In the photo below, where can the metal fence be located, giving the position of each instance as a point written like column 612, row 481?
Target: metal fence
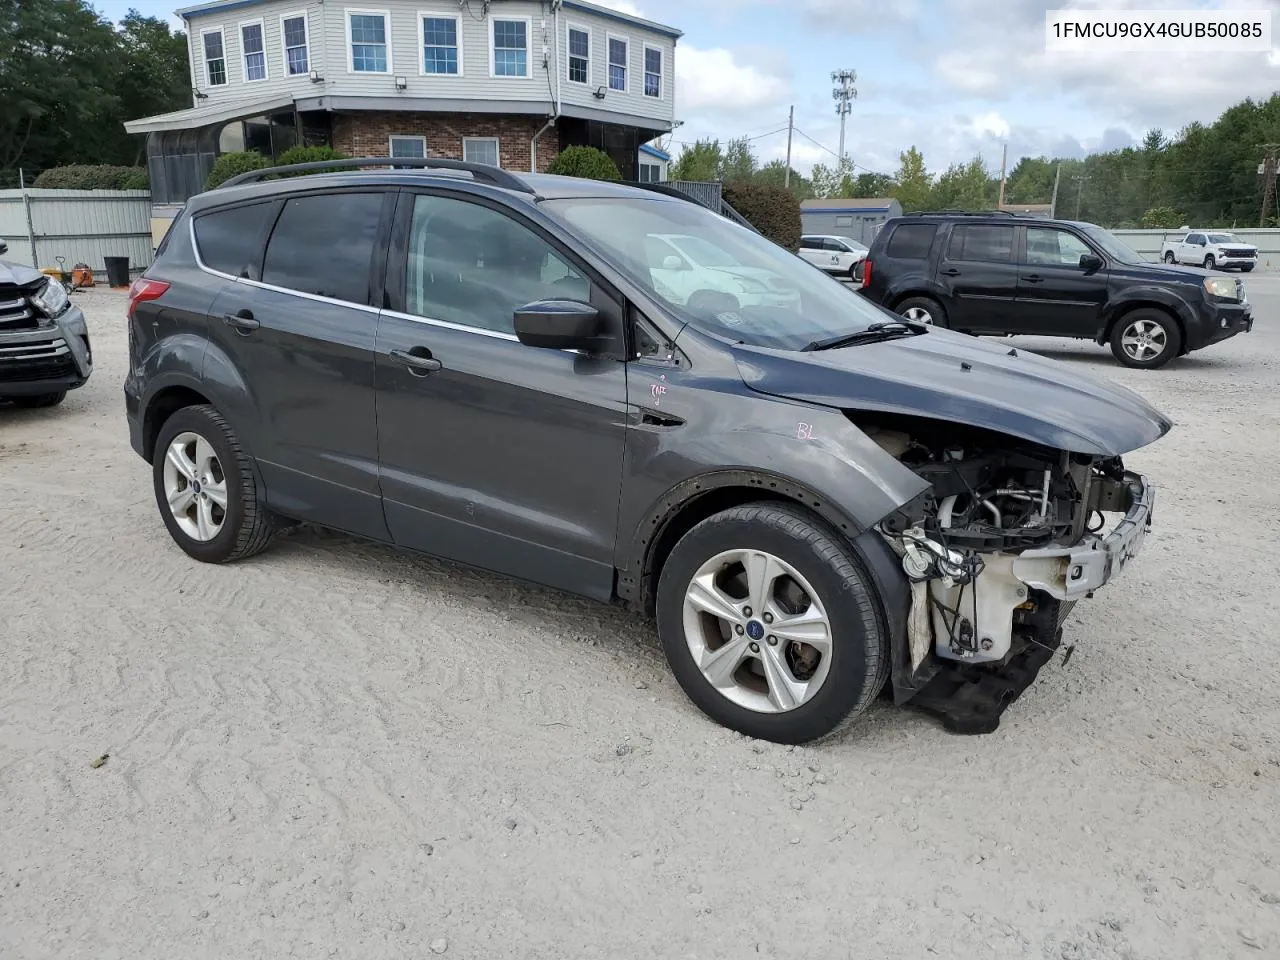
column 708, row 193
column 83, row 226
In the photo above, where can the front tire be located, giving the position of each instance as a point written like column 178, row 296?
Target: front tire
column 771, row 624
column 39, row 401
column 1248, row 268
column 1146, row 339
column 205, row 488
column 923, row 310
column 1209, row 262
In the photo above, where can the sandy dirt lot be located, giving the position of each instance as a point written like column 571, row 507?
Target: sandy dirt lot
column 338, row 750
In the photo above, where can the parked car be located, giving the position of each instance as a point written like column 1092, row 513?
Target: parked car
column 696, row 272
column 989, row 274
column 44, row 340
column 1211, row 249
column 812, row 504
column 837, row 255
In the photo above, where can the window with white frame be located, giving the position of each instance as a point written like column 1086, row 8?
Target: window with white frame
column 652, row 72
column 511, row 48
column 215, row 58
column 579, row 55
column 441, row 44
column 481, row 150
column 618, row 51
column 367, row 41
column 414, row 148
column 296, row 43
column 650, row 172
column 254, row 50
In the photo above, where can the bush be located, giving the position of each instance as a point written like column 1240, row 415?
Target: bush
column 84, row 176
column 301, row 154
column 586, row 162
column 137, row 181
column 771, row 209
column 231, row 164
column 1162, row 217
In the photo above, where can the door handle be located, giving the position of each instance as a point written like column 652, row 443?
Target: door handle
column 950, row 272
column 241, row 320
column 1034, row 278
column 420, row 363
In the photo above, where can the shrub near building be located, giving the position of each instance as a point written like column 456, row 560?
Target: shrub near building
column 771, row 209
column 85, row 176
column 586, row 162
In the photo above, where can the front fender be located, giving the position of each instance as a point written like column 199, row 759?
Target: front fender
column 1141, row 296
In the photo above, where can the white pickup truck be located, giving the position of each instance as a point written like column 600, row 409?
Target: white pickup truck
column 1209, row 249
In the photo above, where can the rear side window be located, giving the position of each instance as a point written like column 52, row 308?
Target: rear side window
column 911, row 241
column 980, row 241
column 810, row 243
column 230, row 240
column 322, row 245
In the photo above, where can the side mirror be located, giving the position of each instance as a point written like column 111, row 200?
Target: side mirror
column 672, row 262
column 1089, row 262
column 558, row 324
column 4, row 248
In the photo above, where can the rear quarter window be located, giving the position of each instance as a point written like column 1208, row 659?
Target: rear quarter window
column 230, row 240
column 911, row 241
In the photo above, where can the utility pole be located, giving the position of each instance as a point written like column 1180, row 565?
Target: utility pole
column 1079, row 192
column 791, row 123
column 1004, row 157
column 1268, row 179
column 844, row 95
column 1053, row 204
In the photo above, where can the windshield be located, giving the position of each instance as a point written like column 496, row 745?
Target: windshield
column 1221, row 238
column 1114, row 247
column 729, row 281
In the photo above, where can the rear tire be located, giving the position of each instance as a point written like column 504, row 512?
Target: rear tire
column 810, row 584
column 196, row 462
column 1142, row 331
column 923, row 310
column 39, row 401
column 1169, row 258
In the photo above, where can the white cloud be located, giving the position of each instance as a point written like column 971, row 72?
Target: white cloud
column 622, row 6
column 714, row 80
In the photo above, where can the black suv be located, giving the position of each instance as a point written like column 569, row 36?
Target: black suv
column 44, row 341
column 996, row 273
column 810, row 494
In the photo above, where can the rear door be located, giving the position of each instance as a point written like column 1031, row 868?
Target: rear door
column 979, row 275
column 1056, row 296
column 811, row 250
column 297, row 328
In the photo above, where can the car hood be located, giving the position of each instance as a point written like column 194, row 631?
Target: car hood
column 15, row 274
column 957, row 378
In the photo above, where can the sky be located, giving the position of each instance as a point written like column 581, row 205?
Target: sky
column 954, row 78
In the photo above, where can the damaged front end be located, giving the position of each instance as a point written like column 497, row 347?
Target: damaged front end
column 1007, row 539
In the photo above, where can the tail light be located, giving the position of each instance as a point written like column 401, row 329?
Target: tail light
column 866, row 274
column 145, row 289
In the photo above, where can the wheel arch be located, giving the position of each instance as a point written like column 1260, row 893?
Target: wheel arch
column 690, row 502
column 1179, row 312
column 163, row 404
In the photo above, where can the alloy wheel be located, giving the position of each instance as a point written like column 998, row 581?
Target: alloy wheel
column 758, row 631
column 1144, row 340
column 918, row 314
column 195, row 486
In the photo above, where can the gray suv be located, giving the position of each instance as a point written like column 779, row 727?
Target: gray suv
column 816, row 500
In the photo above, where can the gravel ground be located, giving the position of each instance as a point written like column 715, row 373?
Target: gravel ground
column 340, row 750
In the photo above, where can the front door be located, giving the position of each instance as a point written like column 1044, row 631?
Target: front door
column 297, row 327
column 979, row 275
column 494, row 453
column 1056, row 296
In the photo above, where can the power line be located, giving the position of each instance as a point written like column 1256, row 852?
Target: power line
column 856, row 166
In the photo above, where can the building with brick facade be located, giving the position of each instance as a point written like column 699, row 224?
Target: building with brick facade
column 505, row 82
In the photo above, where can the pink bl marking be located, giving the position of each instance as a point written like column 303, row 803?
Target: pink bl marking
column 804, row 431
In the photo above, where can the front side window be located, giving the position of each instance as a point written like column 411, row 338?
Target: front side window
column 297, row 55
column 510, row 48
column 579, row 55
column 229, row 241
column 717, row 275
column 480, row 150
column 368, row 32
column 986, row 243
column 1054, row 248
column 1195, row 239
column 440, row 50
column 618, row 64
column 254, row 50
column 652, row 72
column 215, row 60
column 471, row 265
column 322, row 245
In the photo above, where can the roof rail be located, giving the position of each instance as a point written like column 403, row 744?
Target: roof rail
column 483, row 172
column 962, row 213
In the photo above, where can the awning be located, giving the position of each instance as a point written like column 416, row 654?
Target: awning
column 210, row 114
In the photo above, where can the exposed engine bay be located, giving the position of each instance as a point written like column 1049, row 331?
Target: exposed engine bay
column 993, row 551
